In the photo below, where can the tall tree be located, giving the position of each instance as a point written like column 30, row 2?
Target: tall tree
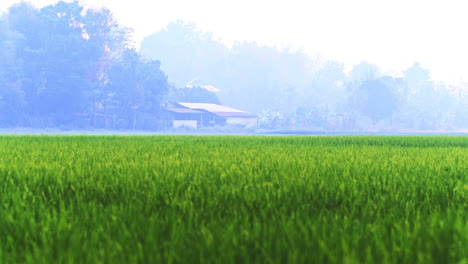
column 135, row 86
column 195, row 94
column 327, row 86
column 185, row 53
column 257, row 78
column 376, row 98
column 364, row 71
column 421, row 98
column 12, row 97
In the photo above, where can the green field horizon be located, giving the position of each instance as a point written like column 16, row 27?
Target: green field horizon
column 233, row 199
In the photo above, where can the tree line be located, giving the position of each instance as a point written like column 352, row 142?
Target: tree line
column 67, row 66
column 291, row 89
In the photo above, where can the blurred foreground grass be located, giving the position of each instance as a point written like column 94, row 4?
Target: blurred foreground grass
column 233, row 199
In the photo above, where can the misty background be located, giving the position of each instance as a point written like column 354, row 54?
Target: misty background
column 71, row 67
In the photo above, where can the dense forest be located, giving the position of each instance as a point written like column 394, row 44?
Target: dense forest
column 70, row 67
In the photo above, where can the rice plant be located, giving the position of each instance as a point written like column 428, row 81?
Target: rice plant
column 233, row 199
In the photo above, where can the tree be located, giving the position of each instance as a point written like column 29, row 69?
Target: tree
column 257, row 78
column 195, row 94
column 421, row 98
column 376, row 98
column 12, row 98
column 106, row 41
column 135, row 86
column 364, row 71
column 327, row 88
column 184, row 52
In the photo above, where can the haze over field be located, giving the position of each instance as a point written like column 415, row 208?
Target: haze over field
column 331, row 65
column 393, row 34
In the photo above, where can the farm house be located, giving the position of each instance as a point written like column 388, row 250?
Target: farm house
column 195, row 115
column 183, row 117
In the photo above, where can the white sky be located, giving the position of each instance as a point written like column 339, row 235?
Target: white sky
column 390, row 33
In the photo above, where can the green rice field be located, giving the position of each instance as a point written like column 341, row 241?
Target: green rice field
column 233, row 199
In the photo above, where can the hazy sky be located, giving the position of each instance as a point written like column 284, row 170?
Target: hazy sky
column 390, row 33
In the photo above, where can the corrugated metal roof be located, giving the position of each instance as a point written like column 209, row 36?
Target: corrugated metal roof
column 210, row 107
column 182, row 110
column 219, row 110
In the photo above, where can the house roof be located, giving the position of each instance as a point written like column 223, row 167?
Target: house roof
column 216, row 109
column 182, row 110
column 210, row 107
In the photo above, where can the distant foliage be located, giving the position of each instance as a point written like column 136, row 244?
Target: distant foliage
column 251, row 77
column 375, row 98
column 272, row 83
column 70, row 67
column 135, row 87
column 195, row 94
column 58, row 64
